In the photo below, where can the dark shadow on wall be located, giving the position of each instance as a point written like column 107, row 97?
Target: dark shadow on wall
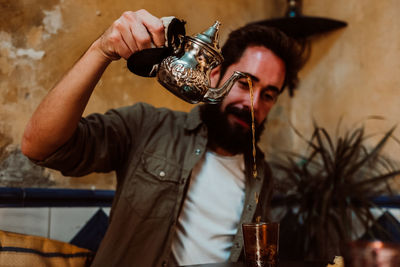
column 16, row 170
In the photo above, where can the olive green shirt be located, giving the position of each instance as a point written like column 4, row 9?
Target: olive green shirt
column 153, row 151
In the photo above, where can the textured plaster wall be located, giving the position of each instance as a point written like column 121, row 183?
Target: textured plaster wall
column 41, row 39
column 352, row 72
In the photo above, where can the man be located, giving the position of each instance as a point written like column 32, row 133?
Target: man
column 184, row 180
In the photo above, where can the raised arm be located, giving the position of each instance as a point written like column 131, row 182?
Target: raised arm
column 57, row 116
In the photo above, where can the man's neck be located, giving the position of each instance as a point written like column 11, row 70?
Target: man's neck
column 221, row 151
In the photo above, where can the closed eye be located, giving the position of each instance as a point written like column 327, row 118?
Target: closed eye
column 243, row 85
column 268, row 96
column 270, row 93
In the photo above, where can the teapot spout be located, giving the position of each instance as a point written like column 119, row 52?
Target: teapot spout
column 215, row 95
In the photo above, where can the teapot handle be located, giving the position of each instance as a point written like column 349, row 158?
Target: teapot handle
column 175, row 33
column 177, row 45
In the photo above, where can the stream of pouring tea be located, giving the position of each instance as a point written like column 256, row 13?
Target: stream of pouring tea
column 253, row 128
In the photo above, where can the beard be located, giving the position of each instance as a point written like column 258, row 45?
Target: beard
column 233, row 138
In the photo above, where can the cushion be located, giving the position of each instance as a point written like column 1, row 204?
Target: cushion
column 20, row 250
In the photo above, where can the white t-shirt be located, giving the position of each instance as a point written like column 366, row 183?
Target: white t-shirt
column 211, row 212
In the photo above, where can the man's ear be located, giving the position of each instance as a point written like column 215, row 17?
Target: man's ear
column 214, row 76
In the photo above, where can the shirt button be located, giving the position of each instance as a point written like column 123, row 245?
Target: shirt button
column 162, row 173
column 197, row 152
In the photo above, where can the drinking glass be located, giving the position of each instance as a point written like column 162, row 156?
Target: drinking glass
column 261, row 243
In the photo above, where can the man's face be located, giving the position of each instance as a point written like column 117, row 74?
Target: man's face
column 229, row 122
column 268, row 74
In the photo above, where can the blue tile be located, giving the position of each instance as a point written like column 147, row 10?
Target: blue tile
column 93, row 232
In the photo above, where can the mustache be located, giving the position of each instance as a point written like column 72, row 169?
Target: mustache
column 242, row 113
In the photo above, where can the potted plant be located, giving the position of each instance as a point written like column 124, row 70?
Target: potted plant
column 328, row 192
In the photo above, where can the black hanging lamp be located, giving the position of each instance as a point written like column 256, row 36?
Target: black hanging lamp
column 298, row 26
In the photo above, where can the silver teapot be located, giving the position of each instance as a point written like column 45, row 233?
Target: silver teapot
column 186, row 72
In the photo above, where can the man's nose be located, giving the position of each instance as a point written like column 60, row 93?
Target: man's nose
column 256, row 103
column 255, row 99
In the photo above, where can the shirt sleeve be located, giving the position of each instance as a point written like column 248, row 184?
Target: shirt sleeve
column 100, row 143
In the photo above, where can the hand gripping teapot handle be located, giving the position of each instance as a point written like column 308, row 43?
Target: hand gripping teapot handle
column 145, row 62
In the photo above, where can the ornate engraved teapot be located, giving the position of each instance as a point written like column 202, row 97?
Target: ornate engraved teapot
column 185, row 73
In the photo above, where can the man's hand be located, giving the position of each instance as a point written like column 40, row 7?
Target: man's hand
column 132, row 32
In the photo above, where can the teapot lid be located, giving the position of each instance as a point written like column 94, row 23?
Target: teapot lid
column 210, row 36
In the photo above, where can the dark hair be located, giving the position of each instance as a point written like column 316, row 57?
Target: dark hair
column 283, row 46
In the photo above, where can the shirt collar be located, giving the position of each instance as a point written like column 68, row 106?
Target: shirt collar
column 193, row 120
